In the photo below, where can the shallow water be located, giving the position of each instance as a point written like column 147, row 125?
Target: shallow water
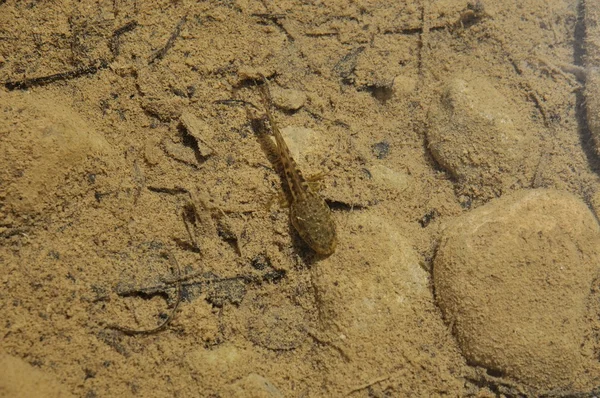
column 456, row 146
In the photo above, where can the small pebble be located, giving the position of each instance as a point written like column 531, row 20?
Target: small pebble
column 48, row 150
column 404, row 85
column 301, row 142
column 482, row 138
column 152, row 152
column 180, row 152
column 200, row 131
column 393, row 180
column 288, row 99
column 381, row 149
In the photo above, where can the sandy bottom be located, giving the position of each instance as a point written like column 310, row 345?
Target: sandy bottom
column 452, row 147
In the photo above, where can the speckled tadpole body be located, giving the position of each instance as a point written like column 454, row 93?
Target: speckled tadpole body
column 309, row 213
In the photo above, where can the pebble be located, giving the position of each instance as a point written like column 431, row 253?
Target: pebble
column 393, row 180
column 222, row 362
column 300, row 141
column 513, row 278
column 19, row 379
column 372, row 299
column 156, row 101
column 482, row 138
column 308, row 148
column 180, row 152
column 164, row 109
column 381, row 149
column 404, row 86
column 48, row 153
column 200, row 131
column 288, row 99
column 152, row 151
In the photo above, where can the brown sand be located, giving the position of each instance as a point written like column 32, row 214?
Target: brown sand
column 96, row 164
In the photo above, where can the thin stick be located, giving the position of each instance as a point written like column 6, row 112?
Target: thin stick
column 369, row 384
column 114, row 41
column 69, row 75
column 163, row 51
column 132, row 332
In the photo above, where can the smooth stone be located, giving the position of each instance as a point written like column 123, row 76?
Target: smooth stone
column 482, row 138
column 513, row 278
column 18, row 379
column 308, row 148
column 288, row 99
column 376, row 309
column 50, row 156
column 301, row 141
column 216, row 365
column 392, row 180
column 404, row 85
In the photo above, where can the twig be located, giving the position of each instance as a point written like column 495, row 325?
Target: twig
column 166, row 322
column 163, row 51
column 43, row 80
column 369, row 384
column 114, row 40
column 329, row 343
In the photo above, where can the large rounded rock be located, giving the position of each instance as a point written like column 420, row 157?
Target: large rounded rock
column 19, row 379
column 482, row 138
column 513, row 278
column 376, row 309
column 50, row 157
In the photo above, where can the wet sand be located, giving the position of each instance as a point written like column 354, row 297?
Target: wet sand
column 453, row 148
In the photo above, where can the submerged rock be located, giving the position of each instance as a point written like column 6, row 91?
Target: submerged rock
column 371, row 301
column 513, row 278
column 482, row 138
column 51, row 157
column 288, row 99
column 19, row 379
